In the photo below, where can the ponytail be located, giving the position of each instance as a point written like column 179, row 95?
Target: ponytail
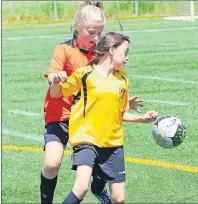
column 95, row 3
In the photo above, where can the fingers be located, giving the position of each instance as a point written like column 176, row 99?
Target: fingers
column 136, row 99
column 135, row 103
column 62, row 76
column 140, row 105
column 133, row 98
column 152, row 114
column 138, row 110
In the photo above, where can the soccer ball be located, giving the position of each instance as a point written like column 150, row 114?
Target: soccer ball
column 169, row 131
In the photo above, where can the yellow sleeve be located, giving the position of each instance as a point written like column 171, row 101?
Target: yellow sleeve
column 73, row 83
column 125, row 96
column 125, row 101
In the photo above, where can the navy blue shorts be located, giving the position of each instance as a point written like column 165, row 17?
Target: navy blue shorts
column 107, row 163
column 57, row 131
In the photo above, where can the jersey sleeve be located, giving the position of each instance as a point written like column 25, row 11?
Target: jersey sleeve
column 59, row 59
column 125, row 101
column 73, row 83
column 125, row 95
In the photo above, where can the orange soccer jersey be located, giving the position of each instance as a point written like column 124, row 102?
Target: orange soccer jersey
column 67, row 57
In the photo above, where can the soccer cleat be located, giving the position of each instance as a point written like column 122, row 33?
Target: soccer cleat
column 104, row 197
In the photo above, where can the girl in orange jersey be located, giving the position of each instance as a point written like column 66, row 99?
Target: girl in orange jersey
column 68, row 56
column 95, row 128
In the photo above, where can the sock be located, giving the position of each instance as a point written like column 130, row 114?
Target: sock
column 47, row 188
column 71, row 199
column 97, row 185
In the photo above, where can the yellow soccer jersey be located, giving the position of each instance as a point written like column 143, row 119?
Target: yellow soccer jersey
column 97, row 117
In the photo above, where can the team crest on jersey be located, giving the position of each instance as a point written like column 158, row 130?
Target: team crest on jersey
column 120, row 90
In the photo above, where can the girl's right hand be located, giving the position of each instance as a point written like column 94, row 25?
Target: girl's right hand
column 60, row 76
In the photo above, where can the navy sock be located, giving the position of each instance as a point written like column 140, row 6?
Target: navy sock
column 71, row 199
column 97, row 185
column 47, row 188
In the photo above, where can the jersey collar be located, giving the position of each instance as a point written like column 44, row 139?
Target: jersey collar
column 84, row 51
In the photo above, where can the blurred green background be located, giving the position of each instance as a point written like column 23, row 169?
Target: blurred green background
column 26, row 12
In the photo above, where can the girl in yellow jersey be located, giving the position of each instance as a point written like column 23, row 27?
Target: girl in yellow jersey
column 96, row 121
column 68, row 56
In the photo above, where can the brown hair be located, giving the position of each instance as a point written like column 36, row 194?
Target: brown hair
column 107, row 41
column 88, row 14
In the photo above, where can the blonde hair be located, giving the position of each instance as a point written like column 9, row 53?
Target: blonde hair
column 89, row 14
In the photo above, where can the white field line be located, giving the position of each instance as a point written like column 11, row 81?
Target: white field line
column 162, row 79
column 163, row 43
column 175, row 103
column 160, row 29
column 20, row 112
column 126, row 31
column 26, row 63
column 39, row 138
column 22, row 135
column 38, row 37
column 172, row 53
column 134, row 55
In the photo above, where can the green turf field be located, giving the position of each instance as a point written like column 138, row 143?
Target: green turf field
column 163, row 70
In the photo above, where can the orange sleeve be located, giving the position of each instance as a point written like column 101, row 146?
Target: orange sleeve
column 59, row 59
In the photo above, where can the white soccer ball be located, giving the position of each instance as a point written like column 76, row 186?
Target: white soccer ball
column 169, row 131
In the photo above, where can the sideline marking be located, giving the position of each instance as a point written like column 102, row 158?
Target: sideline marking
column 174, row 103
column 22, row 135
column 26, row 136
column 127, row 159
column 29, row 149
column 20, row 112
column 126, row 31
column 162, row 78
column 161, row 29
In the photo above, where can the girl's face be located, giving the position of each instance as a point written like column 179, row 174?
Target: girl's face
column 88, row 36
column 120, row 57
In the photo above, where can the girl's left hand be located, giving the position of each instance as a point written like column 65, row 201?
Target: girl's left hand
column 135, row 102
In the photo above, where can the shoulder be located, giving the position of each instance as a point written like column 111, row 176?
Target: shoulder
column 84, row 70
column 67, row 46
column 122, row 75
column 68, row 43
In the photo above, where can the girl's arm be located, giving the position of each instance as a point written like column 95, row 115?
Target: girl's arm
column 55, row 90
column 71, row 84
column 149, row 117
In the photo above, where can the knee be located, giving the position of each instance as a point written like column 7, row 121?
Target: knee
column 51, row 167
column 117, row 199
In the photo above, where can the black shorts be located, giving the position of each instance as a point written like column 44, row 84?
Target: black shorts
column 107, row 163
column 57, row 131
